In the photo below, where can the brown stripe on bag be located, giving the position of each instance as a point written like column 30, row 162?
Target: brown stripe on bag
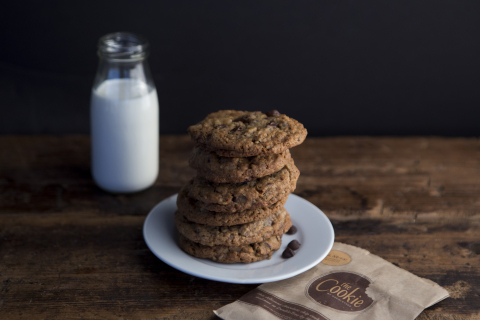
column 280, row 308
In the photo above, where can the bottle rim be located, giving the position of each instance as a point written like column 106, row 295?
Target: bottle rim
column 123, row 46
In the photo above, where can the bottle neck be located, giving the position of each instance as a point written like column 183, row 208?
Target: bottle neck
column 123, row 47
column 123, row 56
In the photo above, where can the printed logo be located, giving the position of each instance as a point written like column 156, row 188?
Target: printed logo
column 342, row 291
column 337, row 258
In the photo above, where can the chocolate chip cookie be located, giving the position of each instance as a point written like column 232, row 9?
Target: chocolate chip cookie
column 215, row 168
column 232, row 197
column 189, row 208
column 231, row 133
column 232, row 254
column 237, row 235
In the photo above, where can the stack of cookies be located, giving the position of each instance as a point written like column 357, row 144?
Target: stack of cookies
column 232, row 211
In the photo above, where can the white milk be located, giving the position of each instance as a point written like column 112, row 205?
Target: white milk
column 124, row 132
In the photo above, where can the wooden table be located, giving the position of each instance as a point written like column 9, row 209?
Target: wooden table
column 71, row 251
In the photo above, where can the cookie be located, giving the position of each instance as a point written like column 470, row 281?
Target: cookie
column 215, row 168
column 237, row 235
column 228, row 254
column 232, row 197
column 190, row 209
column 231, row 133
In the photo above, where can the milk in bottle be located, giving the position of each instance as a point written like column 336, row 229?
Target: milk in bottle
column 124, row 117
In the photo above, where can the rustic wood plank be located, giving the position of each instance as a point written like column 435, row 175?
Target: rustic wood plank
column 69, row 250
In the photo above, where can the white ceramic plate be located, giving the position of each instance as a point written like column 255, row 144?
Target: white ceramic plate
column 315, row 233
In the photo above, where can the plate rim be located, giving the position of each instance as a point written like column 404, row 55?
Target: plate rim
column 224, row 279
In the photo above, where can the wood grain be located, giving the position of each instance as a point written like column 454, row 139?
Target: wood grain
column 68, row 250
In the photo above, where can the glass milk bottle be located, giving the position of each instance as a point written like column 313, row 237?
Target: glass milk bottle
column 124, row 116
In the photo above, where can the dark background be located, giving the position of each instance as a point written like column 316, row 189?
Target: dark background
column 340, row 67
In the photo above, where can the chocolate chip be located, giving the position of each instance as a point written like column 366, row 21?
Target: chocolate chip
column 240, row 199
column 292, row 230
column 236, row 129
column 273, row 124
column 244, row 119
column 294, row 245
column 288, row 253
column 272, row 113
